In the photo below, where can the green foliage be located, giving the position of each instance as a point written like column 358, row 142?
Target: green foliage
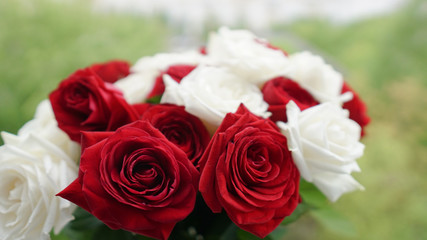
column 243, row 235
column 301, row 209
column 334, row 221
column 316, row 205
column 154, row 100
column 87, row 227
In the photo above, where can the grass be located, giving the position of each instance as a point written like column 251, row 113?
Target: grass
column 383, row 59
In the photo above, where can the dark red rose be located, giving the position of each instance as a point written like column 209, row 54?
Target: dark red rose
column 357, row 108
column 83, row 102
column 177, row 72
column 134, row 179
column 111, row 71
column 180, row 127
column 248, row 170
column 277, row 92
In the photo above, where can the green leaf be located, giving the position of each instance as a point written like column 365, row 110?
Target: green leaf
column 154, row 100
column 278, row 233
column 243, row 235
column 105, row 233
column 300, row 210
column 230, row 232
column 71, row 234
column 83, row 220
column 312, row 196
column 334, row 221
column 60, row 236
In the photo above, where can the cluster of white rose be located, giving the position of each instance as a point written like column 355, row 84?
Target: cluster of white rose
column 324, row 142
column 35, row 165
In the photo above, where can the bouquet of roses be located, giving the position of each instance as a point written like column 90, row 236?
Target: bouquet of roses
column 227, row 140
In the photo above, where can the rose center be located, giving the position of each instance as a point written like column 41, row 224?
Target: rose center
column 258, row 161
column 77, row 94
column 145, row 174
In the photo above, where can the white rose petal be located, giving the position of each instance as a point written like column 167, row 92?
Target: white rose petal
column 246, row 55
column 164, row 60
column 45, row 126
column 137, row 85
column 317, row 77
column 33, row 171
column 211, row 92
column 325, row 144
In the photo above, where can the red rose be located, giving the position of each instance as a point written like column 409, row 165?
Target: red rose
column 111, row 71
column 357, row 108
column 83, row 102
column 279, row 91
column 248, row 170
column 177, row 72
column 180, row 127
column 134, row 179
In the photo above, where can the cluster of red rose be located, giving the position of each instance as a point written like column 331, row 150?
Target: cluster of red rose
column 142, row 165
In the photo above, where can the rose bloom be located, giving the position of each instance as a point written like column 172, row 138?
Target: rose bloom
column 134, row 179
column 320, row 79
column 83, row 102
column 111, row 71
column 32, row 171
column 138, row 86
column 210, row 93
column 249, row 57
column 325, row 145
column 248, row 170
column 180, row 127
column 279, row 91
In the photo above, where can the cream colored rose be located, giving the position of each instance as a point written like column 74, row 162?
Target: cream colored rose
column 210, row 93
column 245, row 55
column 33, row 170
column 322, row 81
column 137, row 85
column 325, row 145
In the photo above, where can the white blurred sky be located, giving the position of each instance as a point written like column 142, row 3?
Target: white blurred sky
column 194, row 15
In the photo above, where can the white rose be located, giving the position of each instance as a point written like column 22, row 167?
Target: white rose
column 317, row 77
column 33, row 170
column 325, row 145
column 211, row 92
column 246, row 55
column 137, row 85
column 45, row 126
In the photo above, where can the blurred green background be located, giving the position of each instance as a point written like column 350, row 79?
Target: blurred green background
column 383, row 58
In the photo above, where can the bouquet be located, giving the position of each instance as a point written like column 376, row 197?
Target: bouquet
column 233, row 140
